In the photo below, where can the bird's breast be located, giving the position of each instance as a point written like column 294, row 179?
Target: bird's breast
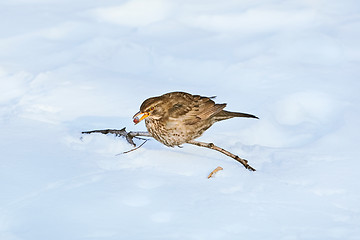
column 167, row 132
column 174, row 133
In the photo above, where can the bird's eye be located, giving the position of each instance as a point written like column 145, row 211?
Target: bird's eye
column 152, row 108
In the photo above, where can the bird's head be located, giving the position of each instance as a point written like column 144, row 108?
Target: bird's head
column 149, row 108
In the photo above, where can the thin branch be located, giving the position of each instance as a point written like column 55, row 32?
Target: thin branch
column 134, row 148
column 227, row 153
column 130, row 135
column 122, row 133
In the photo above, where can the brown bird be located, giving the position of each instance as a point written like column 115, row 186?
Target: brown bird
column 179, row 117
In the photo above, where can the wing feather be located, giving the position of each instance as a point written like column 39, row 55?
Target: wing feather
column 194, row 108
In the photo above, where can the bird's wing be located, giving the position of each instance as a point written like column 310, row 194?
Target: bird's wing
column 193, row 109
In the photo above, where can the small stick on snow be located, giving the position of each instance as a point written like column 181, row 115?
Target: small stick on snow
column 215, row 171
column 134, row 148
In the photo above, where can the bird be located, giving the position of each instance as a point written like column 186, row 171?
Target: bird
column 176, row 118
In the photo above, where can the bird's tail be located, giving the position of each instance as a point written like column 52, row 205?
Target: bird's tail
column 226, row 115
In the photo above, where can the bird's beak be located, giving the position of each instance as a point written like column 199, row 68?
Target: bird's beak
column 136, row 119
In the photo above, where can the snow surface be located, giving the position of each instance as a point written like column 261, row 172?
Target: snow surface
column 69, row 66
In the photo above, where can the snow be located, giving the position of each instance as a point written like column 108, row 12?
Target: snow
column 70, row 66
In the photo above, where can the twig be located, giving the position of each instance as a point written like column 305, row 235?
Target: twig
column 227, row 153
column 130, row 135
column 122, row 133
column 215, row 171
column 134, row 148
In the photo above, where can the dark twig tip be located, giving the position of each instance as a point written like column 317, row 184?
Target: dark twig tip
column 134, row 148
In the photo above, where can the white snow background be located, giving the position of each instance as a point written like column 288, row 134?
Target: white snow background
column 70, row 66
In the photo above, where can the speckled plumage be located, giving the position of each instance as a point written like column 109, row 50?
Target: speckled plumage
column 178, row 117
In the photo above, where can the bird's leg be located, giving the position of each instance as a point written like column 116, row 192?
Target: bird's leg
column 123, row 133
column 227, row 153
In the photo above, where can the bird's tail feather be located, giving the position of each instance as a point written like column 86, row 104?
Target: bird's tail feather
column 226, row 115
